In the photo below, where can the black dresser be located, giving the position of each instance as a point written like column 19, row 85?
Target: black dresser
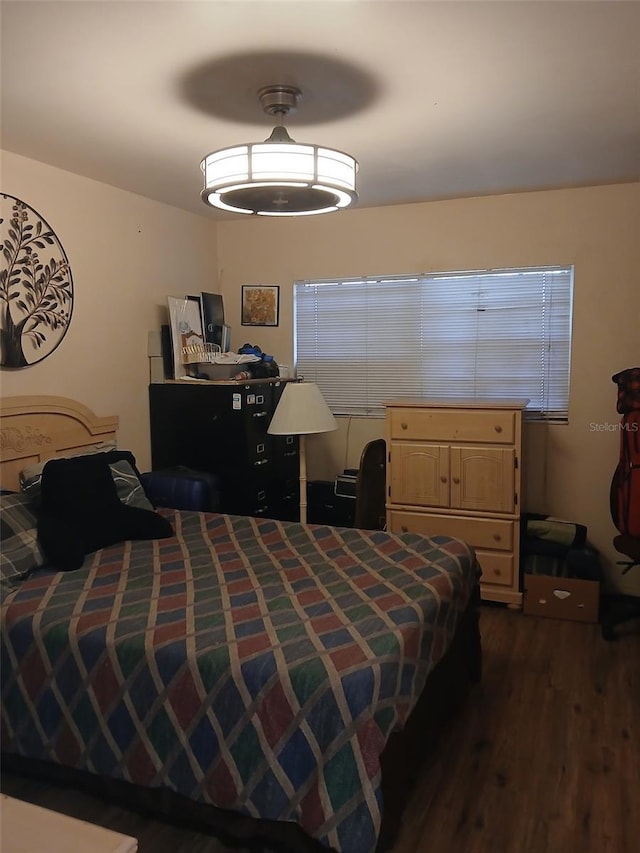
column 221, row 428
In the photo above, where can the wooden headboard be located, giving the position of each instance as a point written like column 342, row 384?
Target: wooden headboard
column 33, row 429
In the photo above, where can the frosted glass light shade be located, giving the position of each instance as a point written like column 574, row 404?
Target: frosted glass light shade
column 279, row 178
column 301, row 411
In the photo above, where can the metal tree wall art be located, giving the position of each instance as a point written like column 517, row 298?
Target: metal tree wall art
column 36, row 288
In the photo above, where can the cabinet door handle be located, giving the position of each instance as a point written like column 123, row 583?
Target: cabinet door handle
column 443, row 479
column 290, row 453
column 497, row 537
column 259, row 414
column 498, row 428
column 404, row 528
column 404, row 426
column 261, row 462
column 456, row 480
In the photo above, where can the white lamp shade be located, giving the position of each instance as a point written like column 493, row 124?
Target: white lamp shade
column 301, row 411
column 279, row 179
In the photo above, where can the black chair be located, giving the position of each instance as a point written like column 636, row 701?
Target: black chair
column 370, row 512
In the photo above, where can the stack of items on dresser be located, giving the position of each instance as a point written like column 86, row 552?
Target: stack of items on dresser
column 263, row 367
column 561, row 571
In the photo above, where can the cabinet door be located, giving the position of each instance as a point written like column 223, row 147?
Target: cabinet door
column 482, row 478
column 420, row 474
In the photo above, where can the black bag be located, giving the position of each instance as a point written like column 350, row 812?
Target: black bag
column 266, row 368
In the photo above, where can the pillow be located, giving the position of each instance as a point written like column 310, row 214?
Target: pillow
column 123, row 470
column 81, row 512
column 128, row 481
column 33, row 472
column 20, row 552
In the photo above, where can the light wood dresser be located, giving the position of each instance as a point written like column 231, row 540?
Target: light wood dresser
column 454, row 469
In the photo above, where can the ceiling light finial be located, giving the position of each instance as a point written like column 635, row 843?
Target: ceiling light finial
column 279, row 177
column 279, row 100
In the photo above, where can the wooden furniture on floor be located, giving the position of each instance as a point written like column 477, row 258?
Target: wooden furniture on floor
column 25, row 828
column 221, row 428
column 366, row 508
column 370, row 486
column 455, row 470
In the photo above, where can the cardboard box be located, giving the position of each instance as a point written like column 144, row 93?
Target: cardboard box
column 561, row 598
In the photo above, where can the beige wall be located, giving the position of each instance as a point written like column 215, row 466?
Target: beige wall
column 126, row 254
column 569, row 467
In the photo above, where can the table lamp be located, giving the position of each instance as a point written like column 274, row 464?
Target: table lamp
column 302, row 411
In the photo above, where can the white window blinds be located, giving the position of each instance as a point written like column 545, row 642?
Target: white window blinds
column 498, row 333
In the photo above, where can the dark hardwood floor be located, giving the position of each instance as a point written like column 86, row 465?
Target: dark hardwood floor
column 543, row 758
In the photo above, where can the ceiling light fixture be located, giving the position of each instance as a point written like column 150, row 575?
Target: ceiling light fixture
column 279, row 177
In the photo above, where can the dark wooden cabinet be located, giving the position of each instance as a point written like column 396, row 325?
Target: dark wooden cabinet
column 222, row 429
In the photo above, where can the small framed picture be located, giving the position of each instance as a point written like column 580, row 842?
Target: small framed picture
column 260, row 304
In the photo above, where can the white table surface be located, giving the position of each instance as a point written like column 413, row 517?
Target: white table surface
column 25, row 828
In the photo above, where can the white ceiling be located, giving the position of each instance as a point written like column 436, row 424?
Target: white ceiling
column 434, row 99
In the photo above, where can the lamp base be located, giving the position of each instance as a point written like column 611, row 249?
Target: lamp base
column 303, row 479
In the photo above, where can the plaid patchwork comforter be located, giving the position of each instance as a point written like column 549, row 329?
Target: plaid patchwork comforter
column 253, row 664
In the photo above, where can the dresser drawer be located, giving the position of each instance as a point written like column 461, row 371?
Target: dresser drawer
column 487, row 533
column 492, row 427
column 497, row 568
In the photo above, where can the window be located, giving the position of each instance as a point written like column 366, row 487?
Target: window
column 497, row 333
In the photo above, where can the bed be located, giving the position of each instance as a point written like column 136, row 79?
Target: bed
column 270, row 679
